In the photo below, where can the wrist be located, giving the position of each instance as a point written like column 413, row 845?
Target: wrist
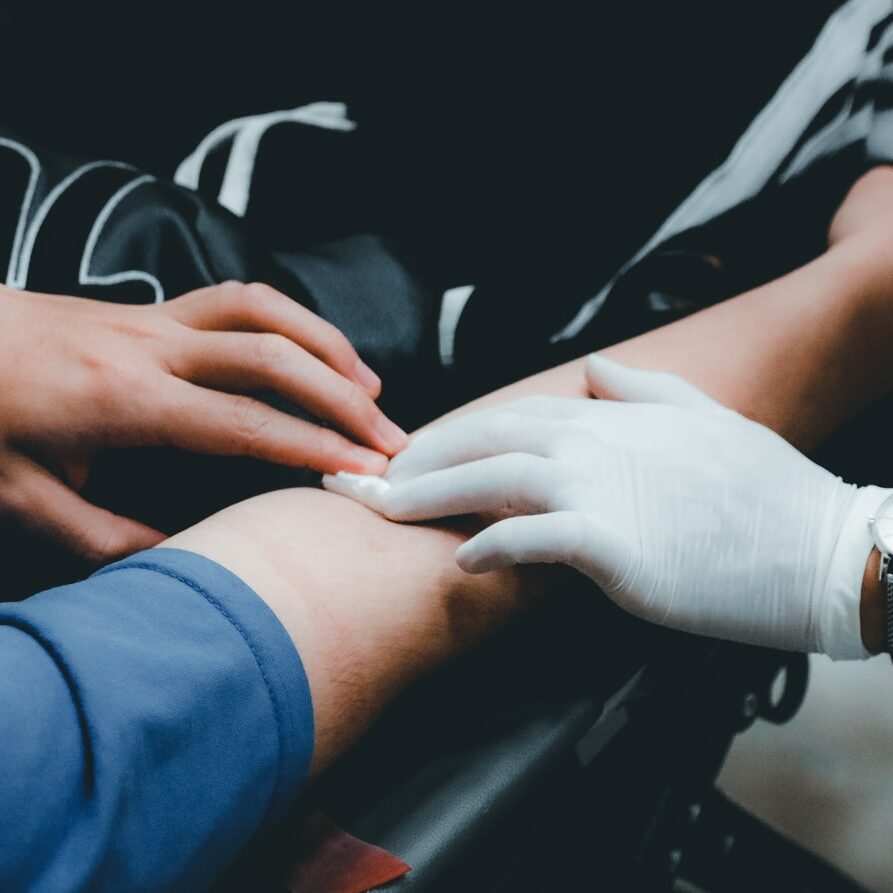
column 873, row 605
column 840, row 627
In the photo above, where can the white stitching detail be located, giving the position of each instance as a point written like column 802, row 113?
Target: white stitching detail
column 828, row 64
column 246, row 134
column 44, row 209
column 84, row 275
column 34, row 164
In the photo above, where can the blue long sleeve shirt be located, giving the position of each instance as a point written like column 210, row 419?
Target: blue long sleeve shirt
column 152, row 719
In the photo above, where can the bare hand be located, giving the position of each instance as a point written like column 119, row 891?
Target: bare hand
column 80, row 376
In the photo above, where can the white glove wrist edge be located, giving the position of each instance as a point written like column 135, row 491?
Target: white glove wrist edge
column 839, row 627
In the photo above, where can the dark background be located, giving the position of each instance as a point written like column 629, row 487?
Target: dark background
column 517, row 140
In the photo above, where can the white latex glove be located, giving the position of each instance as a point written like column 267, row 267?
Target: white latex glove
column 682, row 511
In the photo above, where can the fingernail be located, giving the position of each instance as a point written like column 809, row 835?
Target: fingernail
column 367, row 378
column 360, row 459
column 389, row 435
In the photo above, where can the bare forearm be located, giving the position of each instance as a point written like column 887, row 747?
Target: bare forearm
column 801, row 354
column 370, row 605
column 375, row 604
column 792, row 354
column 386, row 603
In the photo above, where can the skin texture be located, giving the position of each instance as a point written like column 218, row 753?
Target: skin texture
column 371, row 604
column 873, row 608
column 826, row 325
column 81, row 376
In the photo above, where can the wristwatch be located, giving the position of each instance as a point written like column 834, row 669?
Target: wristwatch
column 881, row 526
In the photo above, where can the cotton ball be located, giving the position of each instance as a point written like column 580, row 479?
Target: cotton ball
column 367, row 489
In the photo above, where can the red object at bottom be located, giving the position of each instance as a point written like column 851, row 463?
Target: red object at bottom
column 329, row 860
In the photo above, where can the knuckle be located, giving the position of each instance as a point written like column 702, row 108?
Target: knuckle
column 325, row 444
column 103, row 381
column 261, row 294
column 330, row 342
column 325, row 448
column 240, row 299
column 334, row 339
column 355, row 402
column 230, row 292
column 272, row 351
column 249, row 420
column 339, row 350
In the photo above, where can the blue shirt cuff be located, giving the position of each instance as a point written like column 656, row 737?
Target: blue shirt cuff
column 277, row 659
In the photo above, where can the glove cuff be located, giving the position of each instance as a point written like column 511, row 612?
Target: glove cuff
column 839, row 628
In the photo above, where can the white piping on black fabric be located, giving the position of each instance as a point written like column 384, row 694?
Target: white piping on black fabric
column 834, row 58
column 34, row 164
column 21, row 278
column 84, row 275
column 880, row 140
column 830, row 140
column 846, row 128
column 451, row 306
column 246, row 134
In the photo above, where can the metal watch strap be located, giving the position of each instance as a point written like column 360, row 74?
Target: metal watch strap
column 887, row 577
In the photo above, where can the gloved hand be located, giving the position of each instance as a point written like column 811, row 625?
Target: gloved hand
column 683, row 512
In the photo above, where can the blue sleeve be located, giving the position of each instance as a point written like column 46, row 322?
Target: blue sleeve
column 152, row 719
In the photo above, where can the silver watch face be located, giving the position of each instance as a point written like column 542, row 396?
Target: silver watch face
column 882, row 526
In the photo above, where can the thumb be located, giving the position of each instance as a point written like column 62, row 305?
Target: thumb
column 610, row 380
column 40, row 501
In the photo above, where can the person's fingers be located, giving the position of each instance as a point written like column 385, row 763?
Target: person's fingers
column 39, row 500
column 75, row 472
column 256, row 307
column 206, row 421
column 514, row 482
column 584, row 542
column 471, row 437
column 246, row 361
column 610, row 380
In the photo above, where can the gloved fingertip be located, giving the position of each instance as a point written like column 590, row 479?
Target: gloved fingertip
column 469, row 560
column 601, row 374
column 597, row 364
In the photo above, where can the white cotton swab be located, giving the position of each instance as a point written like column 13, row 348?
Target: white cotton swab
column 366, row 489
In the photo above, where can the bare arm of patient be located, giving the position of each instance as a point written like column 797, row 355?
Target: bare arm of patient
column 372, row 605
column 802, row 354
